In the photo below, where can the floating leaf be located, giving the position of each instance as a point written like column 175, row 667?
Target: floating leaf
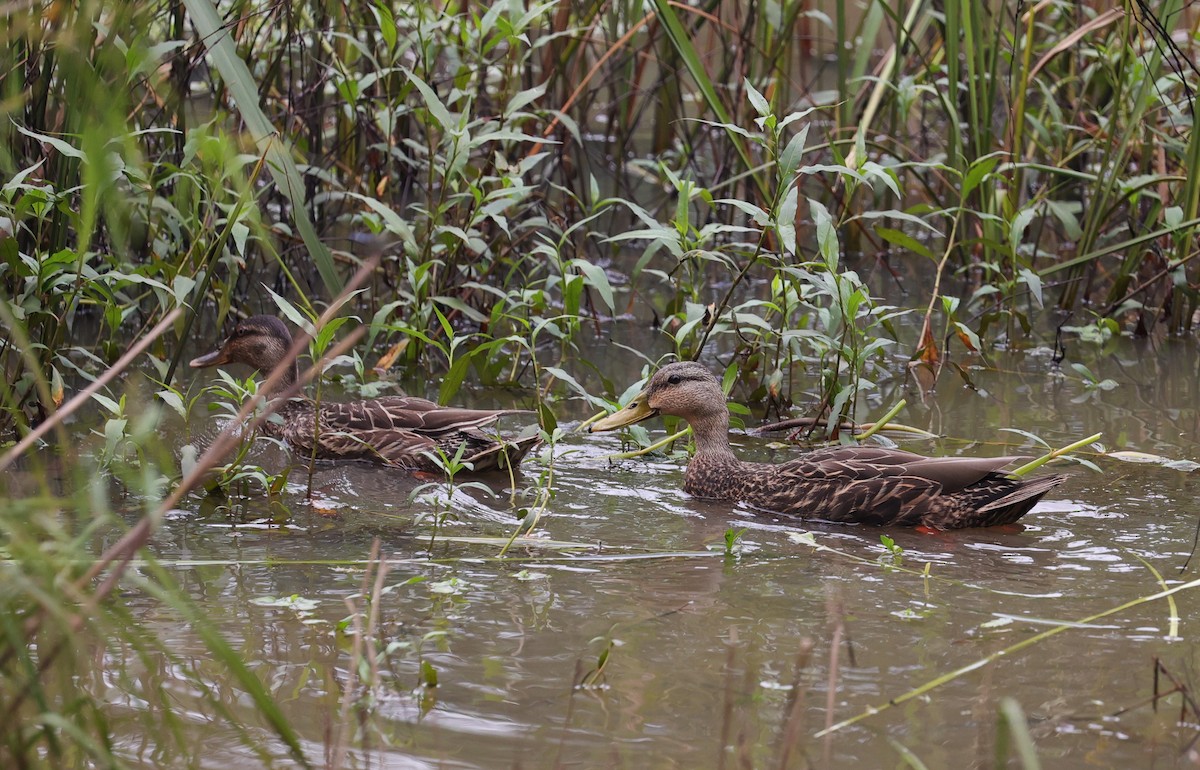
column 1128, row 456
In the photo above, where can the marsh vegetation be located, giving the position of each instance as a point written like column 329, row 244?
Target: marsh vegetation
column 987, row 210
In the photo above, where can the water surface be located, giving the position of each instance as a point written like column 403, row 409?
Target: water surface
column 646, row 646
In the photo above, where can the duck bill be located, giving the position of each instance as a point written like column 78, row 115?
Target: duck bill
column 636, row 411
column 210, row 359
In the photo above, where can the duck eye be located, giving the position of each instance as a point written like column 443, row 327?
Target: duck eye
column 674, row 379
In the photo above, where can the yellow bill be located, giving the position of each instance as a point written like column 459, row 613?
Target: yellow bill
column 635, row 411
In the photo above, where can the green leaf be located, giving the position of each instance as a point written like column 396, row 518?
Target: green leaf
column 872, row 170
column 1064, row 212
column 758, row 215
column 757, row 100
column 291, row 312
column 971, row 336
column 827, row 240
column 1017, row 230
column 58, row 144
column 173, row 400
column 454, row 379
column 1084, row 371
column 107, row 403
column 903, row 216
column 392, row 222
column 793, row 153
column 574, row 383
column 434, row 104
column 1012, row 732
column 182, row 286
column 598, row 280
column 978, row 171
column 904, row 241
column 522, row 98
column 387, row 25
column 785, row 220
column 454, row 303
column 1034, row 282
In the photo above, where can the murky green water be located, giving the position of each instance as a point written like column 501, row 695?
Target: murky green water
column 705, row 654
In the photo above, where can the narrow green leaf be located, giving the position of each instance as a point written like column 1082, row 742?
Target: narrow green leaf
column 978, row 171
column 392, row 222
column 1013, row 728
column 827, row 240
column 454, row 379
column 1034, row 283
column 757, row 100
column 574, row 384
column 438, row 110
column 63, row 148
column 522, row 98
column 682, row 42
column 793, row 153
column 785, row 220
column 291, row 311
column 215, row 34
column 1017, row 230
column 454, row 303
column 597, row 279
column 904, row 241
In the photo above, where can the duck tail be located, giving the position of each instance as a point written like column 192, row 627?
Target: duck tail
column 502, row 454
column 1010, row 507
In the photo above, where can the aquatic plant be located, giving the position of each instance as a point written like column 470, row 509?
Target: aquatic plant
column 526, row 173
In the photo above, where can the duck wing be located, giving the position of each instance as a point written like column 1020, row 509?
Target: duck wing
column 406, row 413
column 871, row 485
column 951, row 474
column 406, row 433
column 401, row 448
column 834, row 489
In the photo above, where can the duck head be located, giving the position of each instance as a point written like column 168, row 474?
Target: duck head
column 685, row 389
column 260, row 341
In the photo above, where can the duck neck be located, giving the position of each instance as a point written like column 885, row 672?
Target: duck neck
column 287, row 379
column 711, row 432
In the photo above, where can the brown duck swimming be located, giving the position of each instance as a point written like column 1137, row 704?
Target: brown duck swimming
column 867, row 485
column 399, row 431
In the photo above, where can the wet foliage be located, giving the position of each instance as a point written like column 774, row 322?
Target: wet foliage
column 815, row 200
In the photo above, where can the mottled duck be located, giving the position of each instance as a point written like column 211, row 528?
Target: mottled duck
column 398, row 431
column 860, row 484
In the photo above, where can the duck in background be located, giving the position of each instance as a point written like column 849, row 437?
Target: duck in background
column 398, row 431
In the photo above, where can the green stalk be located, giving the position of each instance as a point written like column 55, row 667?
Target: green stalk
column 1017, row 121
column 883, row 421
column 1117, row 248
column 646, row 450
column 1006, row 652
column 1035, row 464
column 1173, row 617
column 887, row 72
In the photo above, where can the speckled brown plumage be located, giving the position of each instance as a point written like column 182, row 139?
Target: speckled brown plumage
column 868, row 485
column 403, row 432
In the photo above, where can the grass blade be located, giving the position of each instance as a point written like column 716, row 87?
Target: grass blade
column 245, row 92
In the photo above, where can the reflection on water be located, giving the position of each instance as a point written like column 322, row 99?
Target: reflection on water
column 692, row 658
